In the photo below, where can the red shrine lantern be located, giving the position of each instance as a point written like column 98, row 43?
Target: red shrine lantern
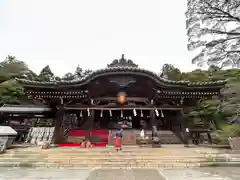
column 122, row 97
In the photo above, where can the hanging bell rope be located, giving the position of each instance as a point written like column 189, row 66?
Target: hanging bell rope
column 81, row 115
column 110, row 112
column 141, row 113
column 162, row 115
column 121, row 113
column 101, row 114
column 156, row 111
column 134, row 112
column 88, row 112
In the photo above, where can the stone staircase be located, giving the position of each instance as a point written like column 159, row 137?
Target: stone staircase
column 170, row 137
column 222, row 157
column 129, row 157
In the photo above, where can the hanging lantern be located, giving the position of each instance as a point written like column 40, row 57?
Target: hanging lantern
column 156, row 111
column 101, row 114
column 122, row 97
column 141, row 113
column 121, row 113
column 110, row 112
column 162, row 115
column 88, row 110
column 134, row 112
column 81, row 115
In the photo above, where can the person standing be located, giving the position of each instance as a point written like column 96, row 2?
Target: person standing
column 142, row 134
column 118, row 143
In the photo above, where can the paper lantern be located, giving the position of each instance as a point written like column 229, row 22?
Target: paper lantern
column 122, row 97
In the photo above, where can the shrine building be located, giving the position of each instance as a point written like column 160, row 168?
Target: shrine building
column 121, row 95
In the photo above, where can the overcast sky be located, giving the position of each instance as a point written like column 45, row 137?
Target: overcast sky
column 92, row 33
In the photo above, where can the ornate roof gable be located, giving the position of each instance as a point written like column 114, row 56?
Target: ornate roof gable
column 122, row 63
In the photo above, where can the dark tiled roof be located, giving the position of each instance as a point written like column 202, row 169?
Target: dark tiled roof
column 118, row 71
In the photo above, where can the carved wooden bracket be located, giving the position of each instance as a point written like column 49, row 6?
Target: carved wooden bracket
column 122, row 81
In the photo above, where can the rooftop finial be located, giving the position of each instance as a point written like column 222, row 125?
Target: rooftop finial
column 122, row 62
column 122, row 56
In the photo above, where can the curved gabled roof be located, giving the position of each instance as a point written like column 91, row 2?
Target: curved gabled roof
column 121, row 71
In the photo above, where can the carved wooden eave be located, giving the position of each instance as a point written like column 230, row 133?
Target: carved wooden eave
column 58, row 94
column 161, row 82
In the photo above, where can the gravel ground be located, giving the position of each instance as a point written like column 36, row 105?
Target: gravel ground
column 120, row 174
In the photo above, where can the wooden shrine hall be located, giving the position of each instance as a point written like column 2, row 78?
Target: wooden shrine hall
column 121, row 95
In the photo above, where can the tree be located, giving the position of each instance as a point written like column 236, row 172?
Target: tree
column 78, row 72
column 213, row 68
column 225, row 107
column 170, row 72
column 214, row 25
column 11, row 93
column 68, row 77
column 231, row 100
column 11, row 68
column 87, row 72
column 207, row 111
column 197, row 75
column 57, row 78
column 46, row 74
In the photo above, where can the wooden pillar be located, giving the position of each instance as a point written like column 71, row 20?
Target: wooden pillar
column 90, row 123
column 58, row 133
column 152, row 118
column 210, row 141
column 155, row 134
column 91, row 119
column 184, row 128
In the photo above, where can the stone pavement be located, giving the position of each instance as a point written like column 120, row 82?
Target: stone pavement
column 119, row 174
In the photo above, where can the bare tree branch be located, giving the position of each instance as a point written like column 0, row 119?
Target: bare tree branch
column 214, row 26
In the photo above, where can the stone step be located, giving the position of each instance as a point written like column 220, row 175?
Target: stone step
column 97, row 165
column 124, row 157
column 108, row 154
column 60, row 162
column 121, row 162
column 97, row 151
column 107, row 157
column 111, row 159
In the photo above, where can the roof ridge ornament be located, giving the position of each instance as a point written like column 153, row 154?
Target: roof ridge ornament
column 122, row 57
column 122, row 62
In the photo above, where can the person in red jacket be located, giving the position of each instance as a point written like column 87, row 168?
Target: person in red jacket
column 118, row 143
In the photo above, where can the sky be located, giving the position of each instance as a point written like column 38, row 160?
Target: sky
column 92, row 33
